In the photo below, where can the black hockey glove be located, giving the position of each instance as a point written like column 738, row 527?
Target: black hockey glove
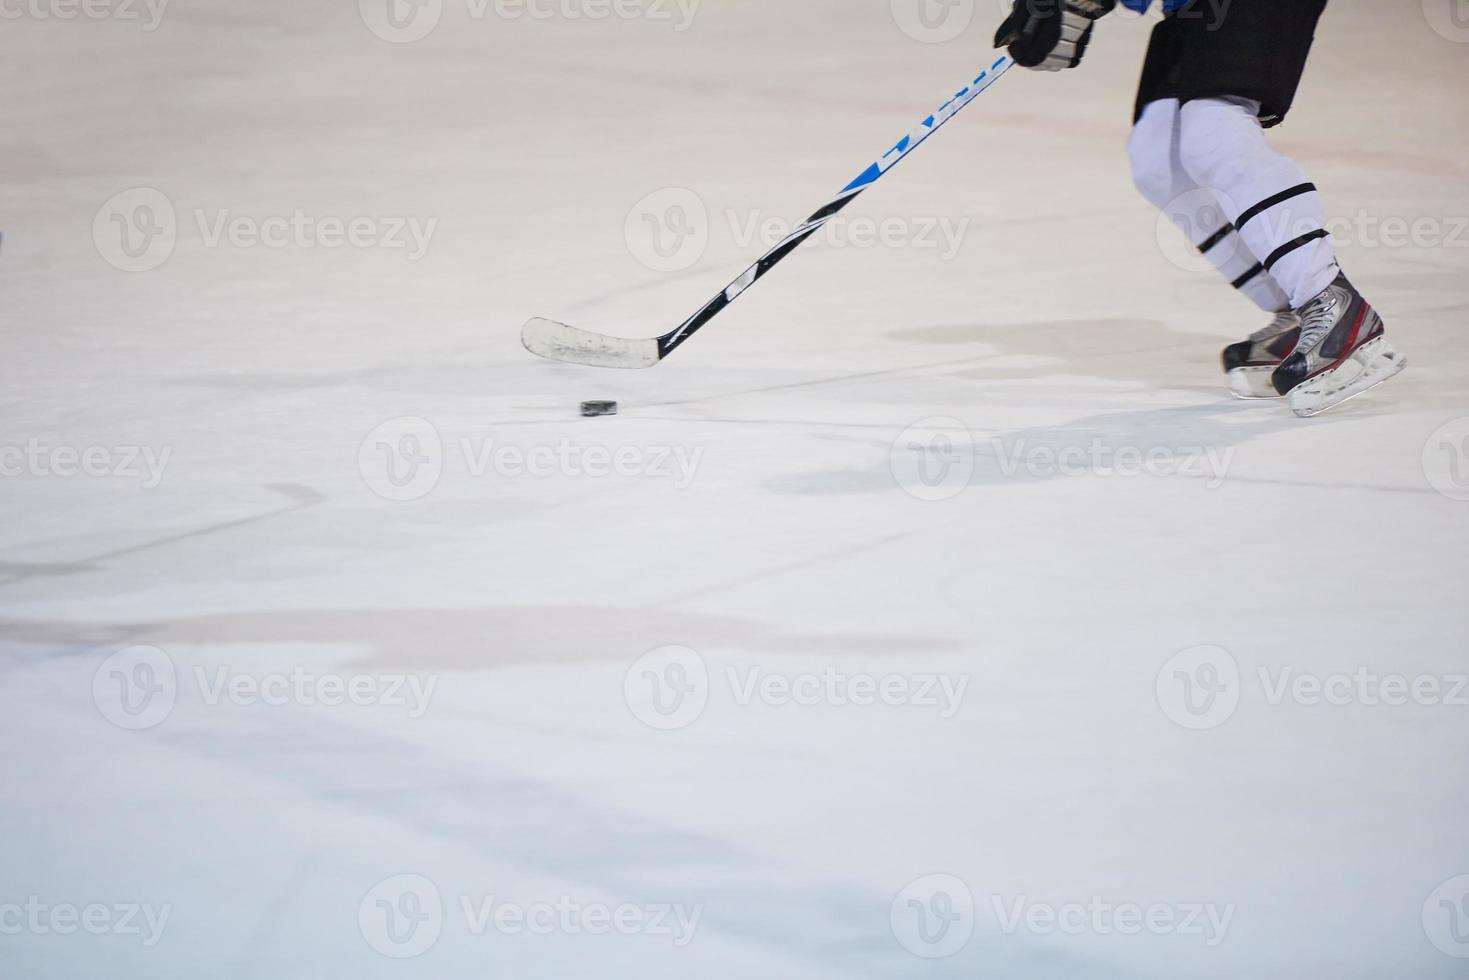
column 1050, row 35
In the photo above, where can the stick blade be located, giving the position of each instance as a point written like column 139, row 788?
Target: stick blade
column 572, row 345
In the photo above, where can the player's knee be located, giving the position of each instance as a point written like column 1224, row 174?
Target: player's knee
column 1152, row 171
column 1218, row 140
column 1150, row 151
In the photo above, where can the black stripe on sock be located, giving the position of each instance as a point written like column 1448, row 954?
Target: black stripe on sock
column 1270, row 202
column 1244, row 280
column 1216, row 238
column 1290, row 247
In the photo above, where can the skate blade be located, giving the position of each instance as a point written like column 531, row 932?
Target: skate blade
column 1252, row 383
column 1375, row 363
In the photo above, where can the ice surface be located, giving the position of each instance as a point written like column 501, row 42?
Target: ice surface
column 846, row 472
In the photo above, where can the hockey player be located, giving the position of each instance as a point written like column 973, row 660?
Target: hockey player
column 1217, row 74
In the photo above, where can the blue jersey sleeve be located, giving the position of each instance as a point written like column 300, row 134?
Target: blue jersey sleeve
column 1141, row 6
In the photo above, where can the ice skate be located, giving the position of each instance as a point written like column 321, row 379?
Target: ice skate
column 1250, row 364
column 1342, row 352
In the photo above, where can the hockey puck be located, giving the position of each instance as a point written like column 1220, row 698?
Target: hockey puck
column 593, row 409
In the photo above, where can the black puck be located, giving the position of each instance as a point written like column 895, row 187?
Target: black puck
column 593, row 409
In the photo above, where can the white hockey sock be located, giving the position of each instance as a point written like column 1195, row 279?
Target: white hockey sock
column 1266, row 195
column 1158, row 172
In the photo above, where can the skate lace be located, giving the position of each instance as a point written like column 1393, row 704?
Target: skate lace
column 1317, row 318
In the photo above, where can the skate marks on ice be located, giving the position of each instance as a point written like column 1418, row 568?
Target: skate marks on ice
column 813, row 915
column 477, row 639
column 1130, row 352
column 460, row 377
column 1193, row 435
column 298, row 497
column 1201, row 442
column 976, row 334
column 548, row 829
column 1142, row 354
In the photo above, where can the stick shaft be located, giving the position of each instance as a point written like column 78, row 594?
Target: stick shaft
column 670, row 342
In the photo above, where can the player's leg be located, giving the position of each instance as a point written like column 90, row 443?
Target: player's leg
column 1158, row 172
column 1160, row 177
column 1238, row 77
column 1271, row 203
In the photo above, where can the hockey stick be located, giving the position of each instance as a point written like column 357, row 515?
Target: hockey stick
column 562, row 342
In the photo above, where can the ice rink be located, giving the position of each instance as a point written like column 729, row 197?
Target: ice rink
column 934, row 613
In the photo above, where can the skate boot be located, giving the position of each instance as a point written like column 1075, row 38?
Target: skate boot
column 1342, row 352
column 1250, row 363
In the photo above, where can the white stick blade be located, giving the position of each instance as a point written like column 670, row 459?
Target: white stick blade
column 562, row 342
